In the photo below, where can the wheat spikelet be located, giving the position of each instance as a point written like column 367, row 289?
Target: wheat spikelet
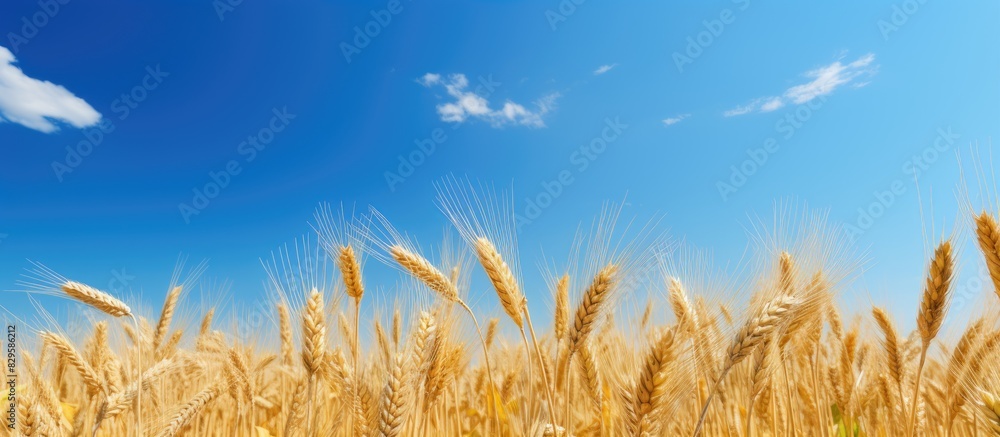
column 591, row 377
column 29, row 417
column 424, row 339
column 680, row 304
column 786, row 267
column 166, row 315
column 96, row 298
column 989, row 410
column 491, row 331
column 313, row 333
column 348, row 335
column 890, row 344
column 191, row 409
column 561, row 320
column 935, row 297
column 383, row 342
column 500, row 275
column 241, row 376
column 350, row 269
column 47, row 395
column 757, row 328
column 296, row 409
column 651, row 386
column 422, row 269
column 592, row 307
column 988, row 236
column 122, row 401
column 394, row 399
column 285, row 332
column 69, row 353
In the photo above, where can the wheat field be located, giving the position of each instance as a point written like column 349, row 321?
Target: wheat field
column 692, row 359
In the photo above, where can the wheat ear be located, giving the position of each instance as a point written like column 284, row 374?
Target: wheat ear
column 503, row 280
column 423, row 270
column 988, row 237
column 121, row 401
column 561, row 319
column 752, row 334
column 115, row 308
column 166, row 315
column 891, row 345
column 933, row 304
column 592, row 307
column 191, row 409
column 96, row 298
column 313, row 346
column 395, row 399
column 285, row 332
column 66, row 350
column 651, row 387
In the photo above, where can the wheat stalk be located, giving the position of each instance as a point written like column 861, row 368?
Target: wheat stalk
column 933, row 304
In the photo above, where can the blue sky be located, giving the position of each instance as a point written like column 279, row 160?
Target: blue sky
column 667, row 103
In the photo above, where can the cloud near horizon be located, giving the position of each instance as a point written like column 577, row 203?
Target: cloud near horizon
column 468, row 104
column 35, row 104
column 825, row 80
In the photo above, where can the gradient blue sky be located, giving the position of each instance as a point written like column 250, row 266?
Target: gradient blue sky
column 886, row 92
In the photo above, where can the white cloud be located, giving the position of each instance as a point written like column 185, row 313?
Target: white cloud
column 604, row 69
column 429, row 79
column 36, row 103
column 670, row 121
column 467, row 104
column 825, row 80
column 772, row 104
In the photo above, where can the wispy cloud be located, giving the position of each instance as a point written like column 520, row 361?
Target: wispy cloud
column 36, row 103
column 825, row 80
column 467, row 104
column 670, row 121
column 604, row 69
